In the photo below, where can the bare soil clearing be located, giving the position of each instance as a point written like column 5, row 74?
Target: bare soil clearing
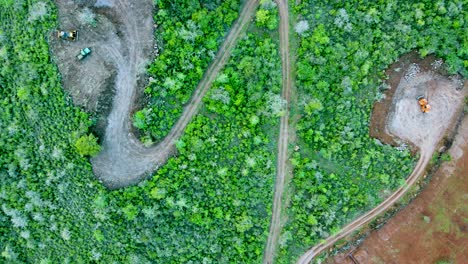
column 91, row 82
column 124, row 42
column 408, row 123
column 407, row 237
column 281, row 168
column 405, row 121
column 378, row 122
column 87, row 80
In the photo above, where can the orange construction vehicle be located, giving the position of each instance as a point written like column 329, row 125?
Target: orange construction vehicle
column 423, row 104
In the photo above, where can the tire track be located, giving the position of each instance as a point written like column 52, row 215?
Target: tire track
column 282, row 158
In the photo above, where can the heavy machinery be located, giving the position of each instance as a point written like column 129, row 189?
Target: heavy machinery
column 423, row 104
column 83, row 53
column 67, row 35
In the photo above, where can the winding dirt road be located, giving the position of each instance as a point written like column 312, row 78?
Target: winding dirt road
column 282, row 158
column 124, row 160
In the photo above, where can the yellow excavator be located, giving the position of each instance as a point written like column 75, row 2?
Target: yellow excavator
column 67, row 35
column 423, row 104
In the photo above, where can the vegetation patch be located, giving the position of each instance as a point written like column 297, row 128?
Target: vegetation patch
column 188, row 35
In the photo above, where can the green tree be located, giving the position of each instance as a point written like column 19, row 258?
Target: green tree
column 262, row 17
column 87, row 145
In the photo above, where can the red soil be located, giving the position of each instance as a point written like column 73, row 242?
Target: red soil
column 433, row 227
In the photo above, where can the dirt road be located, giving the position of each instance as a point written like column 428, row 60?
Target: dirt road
column 405, row 121
column 282, row 158
column 124, row 160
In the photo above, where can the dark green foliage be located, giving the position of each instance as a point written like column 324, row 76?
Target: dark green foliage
column 211, row 203
column 340, row 172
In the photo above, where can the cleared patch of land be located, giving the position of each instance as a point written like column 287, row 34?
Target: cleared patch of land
column 408, row 123
column 120, row 36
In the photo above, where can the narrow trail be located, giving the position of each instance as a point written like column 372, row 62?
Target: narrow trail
column 124, row 160
column 282, row 158
column 418, row 171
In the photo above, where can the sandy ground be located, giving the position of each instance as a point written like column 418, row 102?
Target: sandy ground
column 282, row 159
column 407, row 237
column 405, row 121
column 424, row 130
column 124, row 160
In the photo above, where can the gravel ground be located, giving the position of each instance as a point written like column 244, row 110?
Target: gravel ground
column 424, row 129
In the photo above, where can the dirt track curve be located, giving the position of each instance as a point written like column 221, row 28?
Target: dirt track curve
column 124, row 160
column 418, row 171
column 281, row 167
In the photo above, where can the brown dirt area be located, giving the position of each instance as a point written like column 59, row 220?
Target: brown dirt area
column 91, row 82
column 433, row 227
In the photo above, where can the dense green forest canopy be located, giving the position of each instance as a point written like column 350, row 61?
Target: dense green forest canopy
column 189, row 34
column 212, row 202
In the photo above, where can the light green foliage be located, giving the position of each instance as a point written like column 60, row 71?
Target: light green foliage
column 87, row 145
column 262, row 16
column 212, row 202
column 267, row 15
column 426, row 219
column 139, row 119
column 444, row 262
column 312, row 106
column 445, row 157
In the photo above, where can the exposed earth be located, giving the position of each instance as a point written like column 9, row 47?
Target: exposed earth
column 432, row 227
column 406, row 123
column 106, row 28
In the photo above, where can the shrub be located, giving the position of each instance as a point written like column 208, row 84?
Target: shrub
column 87, row 145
